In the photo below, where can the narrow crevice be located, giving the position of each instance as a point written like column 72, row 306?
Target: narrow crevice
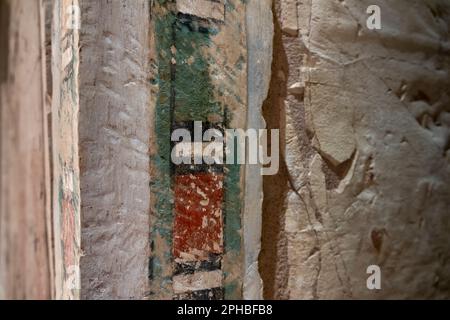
column 273, row 257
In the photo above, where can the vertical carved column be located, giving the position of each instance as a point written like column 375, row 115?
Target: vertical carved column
column 199, row 56
column 259, row 41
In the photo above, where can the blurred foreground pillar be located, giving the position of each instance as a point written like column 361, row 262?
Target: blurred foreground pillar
column 25, row 260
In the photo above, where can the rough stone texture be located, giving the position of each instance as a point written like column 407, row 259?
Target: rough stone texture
column 366, row 150
column 25, row 253
column 114, row 145
column 365, row 127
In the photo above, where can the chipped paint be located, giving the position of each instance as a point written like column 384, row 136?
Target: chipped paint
column 66, row 218
column 198, row 225
column 197, row 209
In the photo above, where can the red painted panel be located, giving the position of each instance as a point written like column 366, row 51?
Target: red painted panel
column 198, row 223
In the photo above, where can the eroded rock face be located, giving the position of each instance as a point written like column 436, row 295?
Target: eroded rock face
column 366, row 141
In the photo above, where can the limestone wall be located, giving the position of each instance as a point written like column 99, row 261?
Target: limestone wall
column 92, row 205
column 365, row 115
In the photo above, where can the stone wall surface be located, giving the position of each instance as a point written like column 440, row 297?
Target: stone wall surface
column 93, row 206
column 114, row 145
column 366, row 121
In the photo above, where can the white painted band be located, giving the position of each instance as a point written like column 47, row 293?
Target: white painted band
column 202, row 8
column 197, row 281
